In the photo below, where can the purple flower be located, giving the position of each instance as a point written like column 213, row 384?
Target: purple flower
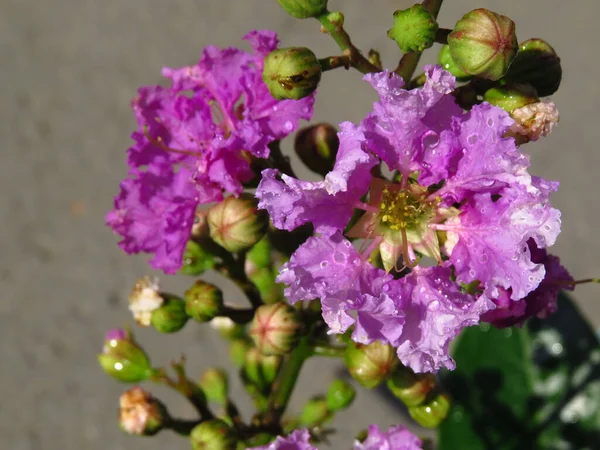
column 297, row 440
column 462, row 198
column 396, row 438
column 194, row 142
column 541, row 302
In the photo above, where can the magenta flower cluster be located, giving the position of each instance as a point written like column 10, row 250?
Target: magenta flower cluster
column 461, row 198
column 194, row 142
column 396, row 438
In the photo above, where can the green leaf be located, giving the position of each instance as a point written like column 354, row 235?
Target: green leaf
column 536, row 387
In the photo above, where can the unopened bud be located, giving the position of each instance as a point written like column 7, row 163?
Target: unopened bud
column 315, row 412
column 446, row 61
column 259, row 256
column 123, row 359
column 236, row 224
column 317, row 147
column 145, row 298
column 414, row 29
column 260, row 369
column 203, row 301
column 196, row 259
column 275, row 328
column 269, row 289
column 213, row 434
column 538, row 64
column 483, row 43
column 533, row 121
column 171, row 316
column 511, row 96
column 215, row 384
column 339, row 395
column 291, row 73
column 431, row 413
column 303, row 9
column 141, row 414
column 200, row 226
column 370, row 364
column 412, row 389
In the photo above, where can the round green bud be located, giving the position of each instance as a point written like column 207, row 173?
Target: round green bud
column 213, row 434
column 269, row 289
column 446, row 61
column 339, row 395
column 370, row 364
column 141, row 414
column 196, row 259
column 414, row 29
column 315, row 412
column 238, row 348
column 215, row 384
column 291, row 73
column 260, row 369
column 538, row 64
column 412, row 389
column 203, row 301
column 317, row 147
column 170, row 317
column 122, row 358
column 511, row 96
column 237, row 224
column 275, row 328
column 431, row 413
column 483, row 43
column 303, row 9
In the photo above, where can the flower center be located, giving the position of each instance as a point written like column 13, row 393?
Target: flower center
column 405, row 208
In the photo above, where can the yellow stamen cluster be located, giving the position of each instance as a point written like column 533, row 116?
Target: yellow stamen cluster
column 402, row 209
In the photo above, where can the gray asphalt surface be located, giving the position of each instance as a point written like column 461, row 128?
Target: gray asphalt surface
column 69, row 69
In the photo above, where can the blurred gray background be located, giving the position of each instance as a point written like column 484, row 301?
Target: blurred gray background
column 69, row 69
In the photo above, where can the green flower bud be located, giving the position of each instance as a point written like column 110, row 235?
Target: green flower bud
column 370, row 364
column 215, row 384
column 511, row 96
column 538, row 64
column 196, row 259
column 269, row 289
column 303, row 9
column 260, row 369
column 483, row 43
column 315, row 412
column 339, row 395
column 123, row 359
column 409, row 387
column 446, row 61
column 200, row 227
column 140, row 414
column 533, row 121
column 238, row 348
column 203, row 301
column 213, row 434
column 431, row 413
column 414, row 29
column 259, row 256
column 144, row 299
column 236, row 224
column 317, row 147
column 275, row 328
column 291, row 73
column 171, row 316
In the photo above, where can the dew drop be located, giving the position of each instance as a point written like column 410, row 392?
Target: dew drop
column 339, row 258
column 431, row 140
column 289, row 125
column 324, row 264
column 490, row 122
column 434, row 306
column 471, row 273
column 483, row 258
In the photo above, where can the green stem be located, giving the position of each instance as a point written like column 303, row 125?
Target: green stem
column 441, row 36
column 279, row 161
column 334, row 62
column 409, row 61
column 329, row 351
column 286, row 381
column 182, row 427
column 235, row 271
column 333, row 23
column 240, row 316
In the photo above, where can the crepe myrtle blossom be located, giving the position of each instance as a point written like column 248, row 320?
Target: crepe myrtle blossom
column 195, row 140
column 296, row 440
column 461, row 196
column 396, row 438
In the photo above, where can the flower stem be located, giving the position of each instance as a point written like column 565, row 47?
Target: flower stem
column 441, row 36
column 333, row 62
column 286, row 381
column 240, row 316
column 234, row 270
column 333, row 23
column 279, row 161
column 329, row 351
column 182, row 427
column 409, row 61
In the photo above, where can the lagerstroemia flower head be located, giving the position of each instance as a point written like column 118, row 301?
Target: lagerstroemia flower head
column 194, row 141
column 396, row 438
column 297, row 440
column 461, row 196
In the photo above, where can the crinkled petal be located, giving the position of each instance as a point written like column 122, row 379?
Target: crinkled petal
column 434, row 315
column 296, row 440
column 396, row 438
